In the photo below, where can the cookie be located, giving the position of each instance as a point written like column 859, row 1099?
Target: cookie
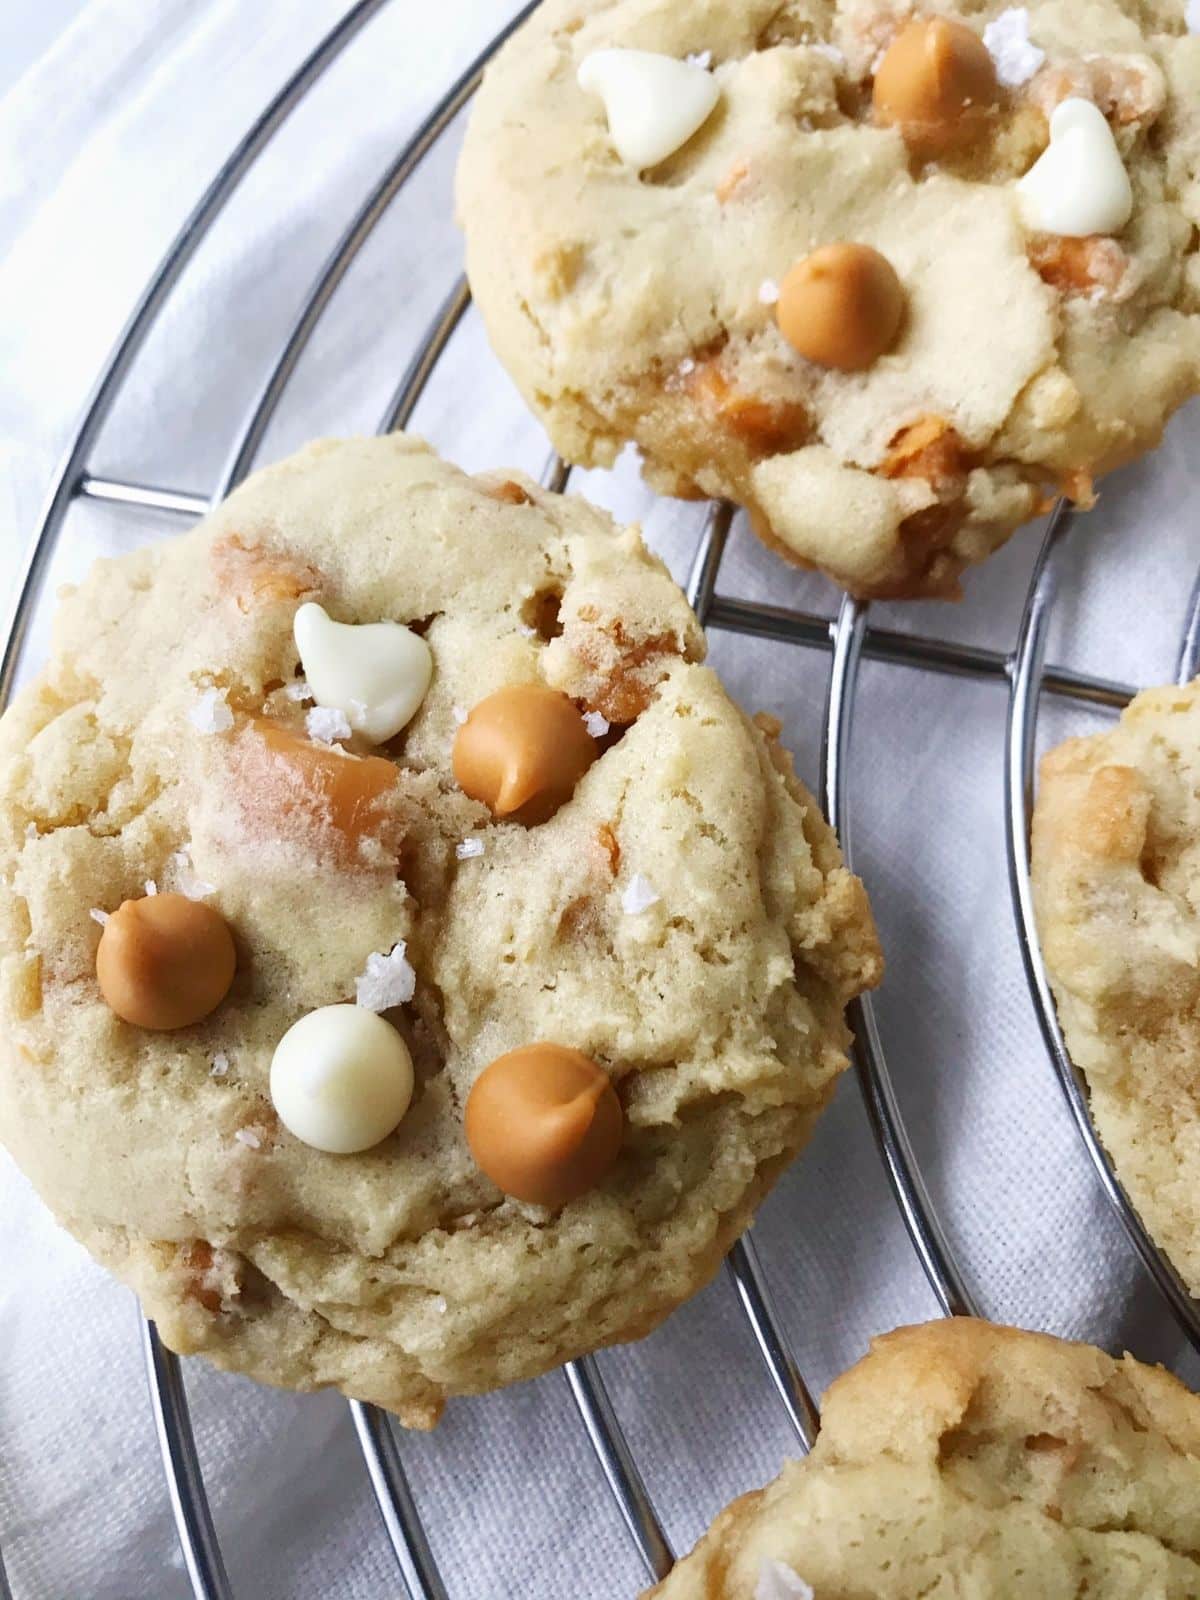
column 1035, row 319
column 959, row 1458
column 660, row 930
column 1116, row 878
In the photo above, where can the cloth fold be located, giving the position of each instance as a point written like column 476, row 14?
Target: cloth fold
column 104, row 146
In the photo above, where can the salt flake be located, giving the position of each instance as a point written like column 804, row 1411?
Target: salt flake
column 830, row 52
column 596, row 724
column 1016, row 56
column 700, row 58
column 686, row 366
column 211, row 713
column 388, row 981
column 459, row 713
column 530, row 633
column 220, row 1065
column 98, row 916
column 778, row 1581
column 249, row 1139
column 326, row 725
column 151, row 887
column 468, row 849
column 31, row 830
column 298, row 691
column 768, row 292
column 639, row 896
column 439, row 1304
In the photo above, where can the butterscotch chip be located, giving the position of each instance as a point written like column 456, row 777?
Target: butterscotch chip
column 667, row 338
column 1116, row 840
column 975, row 1460
column 841, row 306
column 373, row 887
column 936, row 83
column 522, row 751
column 165, row 961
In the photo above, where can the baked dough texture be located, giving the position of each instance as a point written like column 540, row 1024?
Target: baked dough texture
column 402, row 1275
column 1116, row 876
column 967, row 1460
column 636, row 306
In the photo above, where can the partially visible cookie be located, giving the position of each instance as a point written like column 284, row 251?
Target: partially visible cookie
column 1116, row 876
column 963, row 1459
column 890, row 425
column 599, row 935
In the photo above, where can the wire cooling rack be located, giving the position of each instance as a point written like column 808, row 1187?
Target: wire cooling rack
column 848, row 637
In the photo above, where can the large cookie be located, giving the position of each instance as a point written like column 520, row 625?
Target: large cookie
column 962, row 1459
column 639, row 304
column 683, row 919
column 1116, row 876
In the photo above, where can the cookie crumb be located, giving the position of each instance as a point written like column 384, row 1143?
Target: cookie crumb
column 467, row 849
column 778, row 1581
column 1007, row 41
column 211, row 713
column 98, row 916
column 326, row 725
column 298, row 691
column 248, row 1138
column 768, row 292
column 220, row 1065
column 639, row 896
column 596, row 724
column 389, row 980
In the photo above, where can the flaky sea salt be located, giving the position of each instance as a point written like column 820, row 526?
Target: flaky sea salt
column 778, row 1581
column 326, row 725
column 299, row 691
column 686, row 366
column 389, row 980
column 640, row 894
column 459, row 713
column 150, row 887
column 830, row 52
column 530, row 633
column 596, row 724
column 220, row 1065
column 186, row 881
column 248, row 1138
column 468, row 849
column 31, row 831
column 768, row 292
column 211, row 713
column 700, row 58
column 98, row 916
column 439, row 1304
column 1016, row 56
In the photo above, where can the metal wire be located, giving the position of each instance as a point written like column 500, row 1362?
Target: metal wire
column 1188, row 663
column 1020, row 747
column 849, row 638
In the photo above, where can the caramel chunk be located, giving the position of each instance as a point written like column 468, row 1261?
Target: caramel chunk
column 841, row 306
column 256, row 576
column 928, row 448
column 544, row 1123
column 165, row 961
column 343, row 789
column 936, row 84
column 1094, row 264
column 522, row 751
column 764, row 426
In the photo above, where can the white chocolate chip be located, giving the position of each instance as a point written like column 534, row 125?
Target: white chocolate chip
column 468, row 849
column 326, row 725
column 211, row 713
column 1007, row 40
column 639, row 895
column 1078, row 185
column 778, row 1581
column 653, row 102
column 768, row 292
column 596, row 723
column 98, row 916
column 375, row 673
column 389, row 980
column 341, row 1079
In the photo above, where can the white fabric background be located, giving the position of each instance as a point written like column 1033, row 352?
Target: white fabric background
column 103, row 148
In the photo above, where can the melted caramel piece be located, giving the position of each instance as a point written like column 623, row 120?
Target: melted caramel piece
column 732, row 181
column 165, row 961
column 255, row 576
column 343, row 790
column 544, row 1123
column 508, row 492
column 764, row 426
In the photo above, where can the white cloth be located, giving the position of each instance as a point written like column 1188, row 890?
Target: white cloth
column 103, row 149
